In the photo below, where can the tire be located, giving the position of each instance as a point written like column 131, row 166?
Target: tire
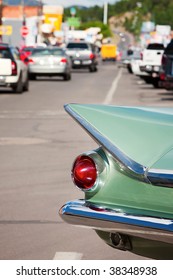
column 92, row 68
column 155, row 84
column 18, row 87
column 67, row 77
column 26, row 85
column 32, row 77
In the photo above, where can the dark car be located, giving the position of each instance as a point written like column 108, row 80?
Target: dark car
column 83, row 55
column 166, row 74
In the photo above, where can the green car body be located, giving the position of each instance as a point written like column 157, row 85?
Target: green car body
column 131, row 204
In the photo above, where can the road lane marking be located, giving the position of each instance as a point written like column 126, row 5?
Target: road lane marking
column 67, row 256
column 113, row 88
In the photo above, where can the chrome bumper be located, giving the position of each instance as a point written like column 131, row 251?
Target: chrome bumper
column 79, row 212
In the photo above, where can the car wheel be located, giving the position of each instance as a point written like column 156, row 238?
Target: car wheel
column 18, row 88
column 26, row 85
column 92, row 68
column 67, row 77
column 32, row 77
column 155, row 84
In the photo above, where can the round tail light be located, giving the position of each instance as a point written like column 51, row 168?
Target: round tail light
column 84, row 172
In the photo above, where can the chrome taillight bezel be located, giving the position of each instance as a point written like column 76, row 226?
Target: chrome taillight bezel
column 101, row 169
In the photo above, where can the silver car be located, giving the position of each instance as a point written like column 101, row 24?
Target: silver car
column 49, row 61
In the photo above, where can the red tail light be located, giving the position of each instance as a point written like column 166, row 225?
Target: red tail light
column 141, row 55
column 31, row 61
column 14, row 68
column 84, row 172
column 92, row 56
column 64, row 60
column 162, row 76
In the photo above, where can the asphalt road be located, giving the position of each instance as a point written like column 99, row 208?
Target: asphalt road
column 38, row 143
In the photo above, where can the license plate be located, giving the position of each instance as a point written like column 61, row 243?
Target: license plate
column 86, row 62
column 77, row 62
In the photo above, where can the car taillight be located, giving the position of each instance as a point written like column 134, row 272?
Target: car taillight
column 31, row 61
column 64, row 60
column 141, row 55
column 84, row 172
column 14, row 68
column 92, row 56
column 162, row 76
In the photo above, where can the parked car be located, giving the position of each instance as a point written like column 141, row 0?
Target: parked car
column 49, row 61
column 127, row 181
column 166, row 73
column 83, row 55
column 13, row 71
column 151, row 61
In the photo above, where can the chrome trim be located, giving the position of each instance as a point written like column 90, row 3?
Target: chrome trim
column 80, row 213
column 136, row 170
column 161, row 177
column 156, row 177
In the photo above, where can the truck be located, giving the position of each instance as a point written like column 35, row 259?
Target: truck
column 151, row 61
column 108, row 52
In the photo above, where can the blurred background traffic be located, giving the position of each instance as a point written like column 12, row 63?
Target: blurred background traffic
column 135, row 34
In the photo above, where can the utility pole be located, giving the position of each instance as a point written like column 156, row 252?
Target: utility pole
column 23, row 18
column 23, row 12
column 1, row 15
column 105, row 13
column 39, row 15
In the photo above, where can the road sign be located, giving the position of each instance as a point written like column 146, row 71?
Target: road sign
column 24, row 31
column 6, row 30
column 73, row 21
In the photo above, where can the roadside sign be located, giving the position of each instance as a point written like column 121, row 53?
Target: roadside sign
column 24, row 31
column 73, row 21
column 6, row 30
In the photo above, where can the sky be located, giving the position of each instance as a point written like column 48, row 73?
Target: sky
column 87, row 3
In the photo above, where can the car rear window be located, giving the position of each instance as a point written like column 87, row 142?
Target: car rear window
column 5, row 53
column 27, row 49
column 77, row 46
column 155, row 47
column 46, row 52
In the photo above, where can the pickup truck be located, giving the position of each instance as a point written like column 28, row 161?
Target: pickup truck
column 83, row 55
column 151, row 61
column 13, row 71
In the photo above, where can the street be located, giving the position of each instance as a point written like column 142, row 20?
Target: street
column 38, row 143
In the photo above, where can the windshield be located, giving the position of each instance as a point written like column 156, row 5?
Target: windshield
column 47, row 52
column 155, row 47
column 5, row 53
column 77, row 46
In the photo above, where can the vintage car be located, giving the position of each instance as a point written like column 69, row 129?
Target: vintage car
column 127, row 180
